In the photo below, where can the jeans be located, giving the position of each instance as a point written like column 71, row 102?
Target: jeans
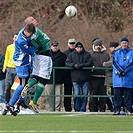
column 2, row 90
column 80, row 88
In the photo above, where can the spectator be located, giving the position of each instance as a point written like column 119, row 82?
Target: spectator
column 108, row 76
column 23, row 50
column 58, row 59
column 2, row 79
column 42, row 64
column 80, row 77
column 68, row 83
column 99, row 55
column 122, row 77
column 9, row 69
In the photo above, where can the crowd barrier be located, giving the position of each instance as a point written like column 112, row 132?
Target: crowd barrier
column 61, row 68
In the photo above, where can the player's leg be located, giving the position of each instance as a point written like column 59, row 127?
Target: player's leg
column 31, row 82
column 38, row 91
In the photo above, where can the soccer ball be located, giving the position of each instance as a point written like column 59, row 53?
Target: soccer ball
column 71, row 11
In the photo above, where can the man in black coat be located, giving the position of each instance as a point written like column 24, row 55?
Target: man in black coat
column 99, row 55
column 58, row 59
column 80, row 77
column 2, row 79
column 68, row 82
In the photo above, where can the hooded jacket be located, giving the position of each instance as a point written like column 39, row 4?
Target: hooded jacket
column 98, row 58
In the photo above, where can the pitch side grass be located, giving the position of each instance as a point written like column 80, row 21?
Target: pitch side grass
column 66, row 123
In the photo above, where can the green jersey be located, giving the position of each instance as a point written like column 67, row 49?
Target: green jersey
column 41, row 40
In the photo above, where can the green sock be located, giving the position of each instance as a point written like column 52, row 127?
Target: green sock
column 38, row 92
column 32, row 82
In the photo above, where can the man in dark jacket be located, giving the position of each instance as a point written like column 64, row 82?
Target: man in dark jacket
column 2, row 79
column 99, row 55
column 58, row 59
column 80, row 77
column 68, row 83
column 114, row 46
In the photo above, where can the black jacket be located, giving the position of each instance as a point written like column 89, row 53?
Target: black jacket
column 67, row 71
column 2, row 75
column 58, row 59
column 85, row 60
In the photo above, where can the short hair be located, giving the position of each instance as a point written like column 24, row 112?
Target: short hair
column 30, row 28
column 16, row 33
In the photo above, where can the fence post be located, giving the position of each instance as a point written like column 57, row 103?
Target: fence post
column 53, row 99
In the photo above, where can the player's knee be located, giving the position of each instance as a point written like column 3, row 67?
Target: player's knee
column 41, row 85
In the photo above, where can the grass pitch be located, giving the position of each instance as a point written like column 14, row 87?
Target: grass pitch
column 66, row 123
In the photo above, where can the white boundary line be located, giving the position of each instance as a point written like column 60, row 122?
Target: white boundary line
column 73, row 131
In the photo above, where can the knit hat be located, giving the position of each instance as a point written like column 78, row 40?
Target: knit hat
column 114, row 44
column 79, row 44
column 97, row 42
column 124, row 39
column 94, row 40
column 72, row 41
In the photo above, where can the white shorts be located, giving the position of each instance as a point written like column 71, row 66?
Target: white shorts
column 42, row 66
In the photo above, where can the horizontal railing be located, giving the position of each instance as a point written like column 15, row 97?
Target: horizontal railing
column 92, row 68
column 61, row 68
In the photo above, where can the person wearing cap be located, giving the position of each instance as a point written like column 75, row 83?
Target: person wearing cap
column 123, row 77
column 113, row 46
column 68, row 83
column 94, row 40
column 99, row 55
column 58, row 59
column 80, row 77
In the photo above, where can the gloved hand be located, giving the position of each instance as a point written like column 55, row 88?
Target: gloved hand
column 122, row 73
column 38, row 49
column 77, row 66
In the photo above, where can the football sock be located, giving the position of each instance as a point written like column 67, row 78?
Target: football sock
column 32, row 82
column 16, row 95
column 38, row 92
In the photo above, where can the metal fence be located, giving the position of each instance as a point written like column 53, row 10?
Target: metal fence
column 61, row 68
